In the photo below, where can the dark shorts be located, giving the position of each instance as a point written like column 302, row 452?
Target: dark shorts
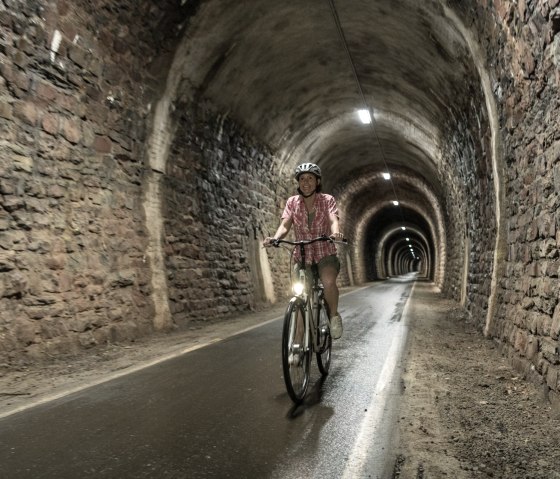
column 331, row 260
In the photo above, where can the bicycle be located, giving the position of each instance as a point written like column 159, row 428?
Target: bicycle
column 306, row 326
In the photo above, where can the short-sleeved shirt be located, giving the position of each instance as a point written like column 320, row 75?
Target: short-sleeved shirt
column 295, row 209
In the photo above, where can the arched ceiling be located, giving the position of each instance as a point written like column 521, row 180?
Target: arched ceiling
column 282, row 68
column 295, row 73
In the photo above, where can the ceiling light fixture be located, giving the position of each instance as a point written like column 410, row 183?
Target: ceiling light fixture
column 386, row 176
column 395, row 202
column 365, row 116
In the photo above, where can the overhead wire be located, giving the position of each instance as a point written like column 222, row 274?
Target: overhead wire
column 342, row 37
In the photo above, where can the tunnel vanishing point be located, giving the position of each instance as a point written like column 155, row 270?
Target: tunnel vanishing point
column 148, row 147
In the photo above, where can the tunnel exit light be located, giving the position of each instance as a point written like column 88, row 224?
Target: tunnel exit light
column 365, row 116
column 386, row 176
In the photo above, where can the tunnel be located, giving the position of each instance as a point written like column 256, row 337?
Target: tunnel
column 149, row 147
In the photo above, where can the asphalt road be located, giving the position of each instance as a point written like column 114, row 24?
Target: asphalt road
column 222, row 411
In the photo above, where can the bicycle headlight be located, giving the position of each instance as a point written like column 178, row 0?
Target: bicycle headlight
column 298, row 288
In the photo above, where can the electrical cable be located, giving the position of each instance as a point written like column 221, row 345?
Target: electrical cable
column 336, row 19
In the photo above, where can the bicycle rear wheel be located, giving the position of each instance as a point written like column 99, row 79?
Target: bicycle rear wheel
column 296, row 356
column 324, row 339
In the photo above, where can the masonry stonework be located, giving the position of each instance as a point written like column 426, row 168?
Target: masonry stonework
column 219, row 203
column 73, row 110
column 78, row 86
column 522, row 45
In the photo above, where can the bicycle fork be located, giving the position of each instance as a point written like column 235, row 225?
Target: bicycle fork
column 311, row 340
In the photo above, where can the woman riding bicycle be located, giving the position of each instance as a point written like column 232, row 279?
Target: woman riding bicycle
column 315, row 214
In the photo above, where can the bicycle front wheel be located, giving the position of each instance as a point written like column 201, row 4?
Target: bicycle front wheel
column 324, row 340
column 296, row 356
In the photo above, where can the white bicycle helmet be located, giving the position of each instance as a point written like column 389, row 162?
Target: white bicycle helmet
column 307, row 168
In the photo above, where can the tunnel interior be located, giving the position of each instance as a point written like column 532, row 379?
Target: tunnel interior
column 234, row 96
column 387, row 171
column 395, row 248
column 149, row 147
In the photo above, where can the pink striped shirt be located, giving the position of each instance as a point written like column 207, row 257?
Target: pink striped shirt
column 295, row 209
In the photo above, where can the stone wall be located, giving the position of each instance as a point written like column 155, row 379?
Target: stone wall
column 74, row 102
column 470, row 207
column 522, row 39
column 78, row 85
column 531, row 327
column 219, row 203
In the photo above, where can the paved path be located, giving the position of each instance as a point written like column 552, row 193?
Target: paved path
column 222, row 411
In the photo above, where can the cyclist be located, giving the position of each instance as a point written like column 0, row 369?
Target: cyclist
column 314, row 214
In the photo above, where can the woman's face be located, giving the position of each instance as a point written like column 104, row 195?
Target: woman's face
column 308, row 183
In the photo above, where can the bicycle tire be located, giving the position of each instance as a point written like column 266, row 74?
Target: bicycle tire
column 296, row 374
column 324, row 340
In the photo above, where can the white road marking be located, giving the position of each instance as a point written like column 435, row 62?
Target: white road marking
column 362, row 447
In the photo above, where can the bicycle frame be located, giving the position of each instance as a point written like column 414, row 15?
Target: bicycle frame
column 308, row 293
column 308, row 299
column 304, row 314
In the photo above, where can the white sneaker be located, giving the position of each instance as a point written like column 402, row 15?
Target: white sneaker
column 336, row 326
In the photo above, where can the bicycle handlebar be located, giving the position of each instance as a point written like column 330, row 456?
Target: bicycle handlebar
column 277, row 242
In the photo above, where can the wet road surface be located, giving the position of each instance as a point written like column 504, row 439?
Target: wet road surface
column 222, row 411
